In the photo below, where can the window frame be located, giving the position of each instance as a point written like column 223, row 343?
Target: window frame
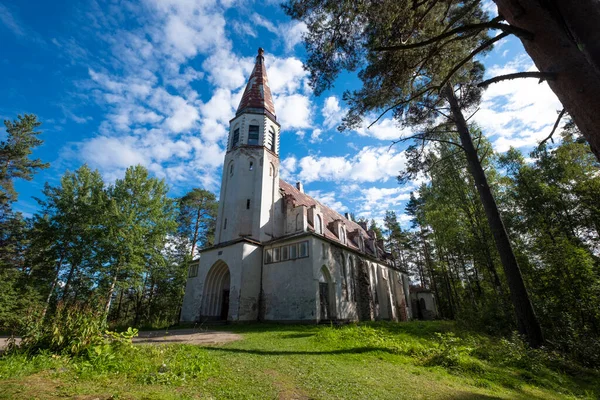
column 251, row 133
column 272, row 136
column 236, row 137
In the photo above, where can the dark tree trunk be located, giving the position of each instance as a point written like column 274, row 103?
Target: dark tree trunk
column 566, row 42
column 526, row 318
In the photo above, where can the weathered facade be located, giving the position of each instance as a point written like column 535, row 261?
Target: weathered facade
column 281, row 255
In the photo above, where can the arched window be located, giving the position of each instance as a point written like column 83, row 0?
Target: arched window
column 344, row 279
column 272, row 137
column 231, row 169
column 251, row 167
column 342, row 234
column 318, row 224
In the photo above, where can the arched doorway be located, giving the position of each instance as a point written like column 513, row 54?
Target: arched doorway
column 326, row 296
column 215, row 301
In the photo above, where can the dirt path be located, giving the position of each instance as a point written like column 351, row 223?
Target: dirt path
column 186, row 336
column 181, row 336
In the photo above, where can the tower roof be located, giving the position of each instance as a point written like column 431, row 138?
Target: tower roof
column 257, row 96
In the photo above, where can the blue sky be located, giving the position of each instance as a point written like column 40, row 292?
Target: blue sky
column 155, row 82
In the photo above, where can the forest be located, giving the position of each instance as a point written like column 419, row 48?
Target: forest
column 509, row 243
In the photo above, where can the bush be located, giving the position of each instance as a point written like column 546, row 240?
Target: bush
column 72, row 331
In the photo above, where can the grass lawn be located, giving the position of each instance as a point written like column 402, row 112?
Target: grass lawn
column 415, row 360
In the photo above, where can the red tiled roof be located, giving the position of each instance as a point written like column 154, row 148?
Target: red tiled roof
column 257, row 96
column 353, row 229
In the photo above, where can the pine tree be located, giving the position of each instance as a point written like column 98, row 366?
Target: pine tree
column 420, row 82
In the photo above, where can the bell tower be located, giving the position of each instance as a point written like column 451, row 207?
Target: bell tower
column 250, row 181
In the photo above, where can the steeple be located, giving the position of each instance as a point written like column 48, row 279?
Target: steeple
column 257, row 96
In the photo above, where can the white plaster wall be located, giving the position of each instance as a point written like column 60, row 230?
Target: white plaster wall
column 289, row 288
column 249, row 294
column 192, row 302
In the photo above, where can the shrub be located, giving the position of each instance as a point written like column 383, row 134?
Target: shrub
column 73, row 331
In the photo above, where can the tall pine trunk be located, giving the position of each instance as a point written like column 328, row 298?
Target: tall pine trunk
column 526, row 318
column 566, row 42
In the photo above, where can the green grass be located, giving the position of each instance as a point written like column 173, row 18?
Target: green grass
column 417, row 360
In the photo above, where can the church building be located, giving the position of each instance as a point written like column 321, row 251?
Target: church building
column 279, row 254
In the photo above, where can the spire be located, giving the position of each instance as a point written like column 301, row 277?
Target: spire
column 257, row 96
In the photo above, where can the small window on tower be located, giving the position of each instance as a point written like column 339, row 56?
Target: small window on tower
column 236, row 138
column 251, row 165
column 272, row 136
column 253, row 135
column 225, row 224
column 231, row 169
column 247, row 204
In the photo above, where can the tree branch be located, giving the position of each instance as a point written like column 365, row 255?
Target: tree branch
column 461, row 29
column 472, row 115
column 560, row 115
column 402, row 102
column 426, row 139
column 478, row 50
column 543, row 76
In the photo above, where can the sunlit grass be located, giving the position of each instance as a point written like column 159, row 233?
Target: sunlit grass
column 377, row 361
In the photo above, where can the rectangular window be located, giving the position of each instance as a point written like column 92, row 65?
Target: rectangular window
column 303, row 249
column 276, row 252
column 293, row 251
column 193, row 271
column 272, row 134
column 268, row 256
column 253, row 135
column 236, row 138
column 247, row 204
column 285, row 253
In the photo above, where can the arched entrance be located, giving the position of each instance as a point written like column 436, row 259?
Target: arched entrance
column 326, row 296
column 215, row 301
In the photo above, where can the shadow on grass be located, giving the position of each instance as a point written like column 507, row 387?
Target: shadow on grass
column 471, row 396
column 354, row 350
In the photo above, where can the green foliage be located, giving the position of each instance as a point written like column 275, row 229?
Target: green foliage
column 71, row 331
column 22, row 139
column 374, row 360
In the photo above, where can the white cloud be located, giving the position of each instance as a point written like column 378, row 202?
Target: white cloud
column 154, row 116
column 371, row 164
column 518, row 112
column 377, row 200
column 293, row 33
column 329, row 199
column 110, row 153
column 384, row 129
column 290, row 33
column 315, row 136
column 10, row 22
column 332, row 112
column 293, row 111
